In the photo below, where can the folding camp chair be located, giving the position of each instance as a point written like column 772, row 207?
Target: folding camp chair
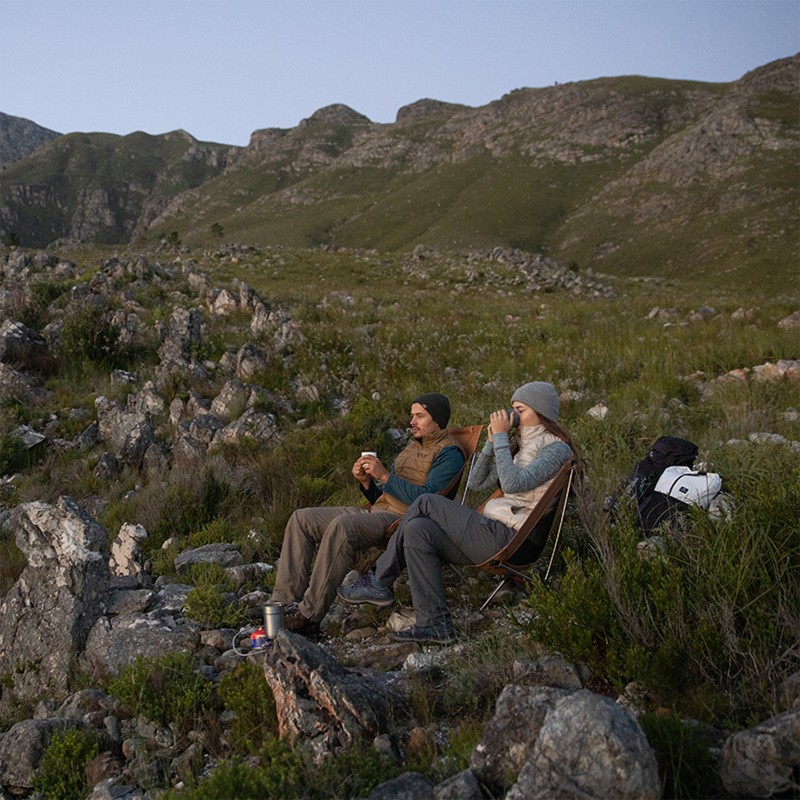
column 544, row 516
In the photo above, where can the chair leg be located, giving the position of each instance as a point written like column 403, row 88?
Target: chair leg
column 492, row 595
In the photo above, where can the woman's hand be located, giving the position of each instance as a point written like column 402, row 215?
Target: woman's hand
column 499, row 422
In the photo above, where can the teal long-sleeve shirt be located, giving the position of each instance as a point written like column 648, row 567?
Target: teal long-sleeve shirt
column 445, row 466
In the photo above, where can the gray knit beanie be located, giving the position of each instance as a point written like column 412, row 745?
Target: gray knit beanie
column 541, row 397
column 438, row 406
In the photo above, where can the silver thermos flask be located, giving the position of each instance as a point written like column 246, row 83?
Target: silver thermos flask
column 273, row 619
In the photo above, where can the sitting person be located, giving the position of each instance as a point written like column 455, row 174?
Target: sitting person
column 436, row 530
column 428, row 464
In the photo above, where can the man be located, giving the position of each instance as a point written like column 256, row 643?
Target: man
column 427, row 465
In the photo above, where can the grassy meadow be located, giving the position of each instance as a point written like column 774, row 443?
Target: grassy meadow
column 709, row 632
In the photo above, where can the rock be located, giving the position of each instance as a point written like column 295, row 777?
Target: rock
column 22, row 748
column 115, row 642
column 321, row 706
column 791, row 322
column 46, row 617
column 231, row 401
column 126, row 551
column 408, row 786
column 548, row 670
column 598, row 411
column 226, row 555
column 589, row 747
column 463, row 786
column 127, row 434
column 254, row 426
column 507, row 742
column 20, row 345
column 250, row 362
column 763, row 761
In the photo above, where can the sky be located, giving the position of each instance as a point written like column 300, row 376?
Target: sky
column 221, row 69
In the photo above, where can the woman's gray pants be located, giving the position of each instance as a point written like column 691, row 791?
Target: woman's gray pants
column 433, row 532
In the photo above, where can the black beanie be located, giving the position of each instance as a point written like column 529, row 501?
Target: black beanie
column 438, row 406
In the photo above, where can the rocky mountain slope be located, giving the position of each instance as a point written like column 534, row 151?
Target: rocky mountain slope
column 20, row 137
column 635, row 175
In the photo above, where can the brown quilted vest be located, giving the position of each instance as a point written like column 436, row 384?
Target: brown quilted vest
column 413, row 465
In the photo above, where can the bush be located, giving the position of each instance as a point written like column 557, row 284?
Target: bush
column 710, row 627
column 60, row 775
column 245, row 692
column 13, row 454
column 166, row 689
column 283, row 773
column 212, row 608
column 89, row 339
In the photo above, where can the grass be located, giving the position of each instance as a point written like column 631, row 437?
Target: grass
column 710, row 631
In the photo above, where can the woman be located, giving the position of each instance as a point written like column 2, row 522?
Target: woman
column 436, row 530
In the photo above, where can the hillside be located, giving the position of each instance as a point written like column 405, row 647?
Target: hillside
column 164, row 411
column 633, row 176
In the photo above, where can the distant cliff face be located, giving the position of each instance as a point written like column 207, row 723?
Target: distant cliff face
column 621, row 172
column 20, row 137
column 100, row 187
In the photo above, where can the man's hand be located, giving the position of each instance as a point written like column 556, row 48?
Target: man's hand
column 367, row 467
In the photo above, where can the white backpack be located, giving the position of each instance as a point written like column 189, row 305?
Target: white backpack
column 690, row 486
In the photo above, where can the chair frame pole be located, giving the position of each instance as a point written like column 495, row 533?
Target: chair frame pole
column 560, row 524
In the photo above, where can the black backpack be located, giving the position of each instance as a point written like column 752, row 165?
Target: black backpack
column 652, row 507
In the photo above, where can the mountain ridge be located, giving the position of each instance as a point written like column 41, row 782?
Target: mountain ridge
column 634, row 174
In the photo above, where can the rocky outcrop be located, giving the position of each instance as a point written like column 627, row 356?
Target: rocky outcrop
column 46, row 617
column 322, row 706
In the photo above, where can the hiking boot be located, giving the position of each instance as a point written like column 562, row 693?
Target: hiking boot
column 430, row 634
column 364, row 590
column 296, row 622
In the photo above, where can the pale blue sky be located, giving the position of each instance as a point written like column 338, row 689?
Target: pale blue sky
column 221, row 69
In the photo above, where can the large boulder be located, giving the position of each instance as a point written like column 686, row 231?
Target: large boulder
column 589, row 747
column 46, row 617
column 564, row 743
column 763, row 761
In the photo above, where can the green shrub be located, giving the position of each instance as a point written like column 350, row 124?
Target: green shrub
column 283, row 773
column 212, row 608
column 89, row 339
column 165, row 690
column 245, row 692
column 12, row 562
column 710, row 627
column 60, row 775
column 13, row 454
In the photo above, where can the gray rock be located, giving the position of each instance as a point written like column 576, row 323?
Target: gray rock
column 115, row 642
column 507, row 742
column 46, row 617
column 408, row 786
column 463, row 786
column 589, row 747
column 321, row 706
column 22, row 748
column 763, row 761
column 226, row 555
column 127, row 434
